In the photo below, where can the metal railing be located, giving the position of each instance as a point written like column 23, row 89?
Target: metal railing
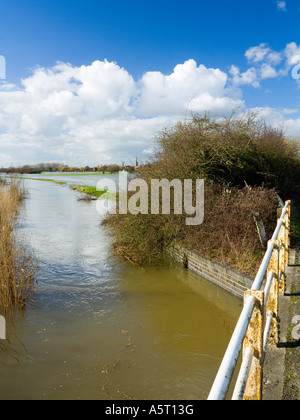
column 258, row 324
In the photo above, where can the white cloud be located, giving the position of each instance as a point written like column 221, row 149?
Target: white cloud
column 274, row 57
column 99, row 113
column 291, row 52
column 281, row 5
column 280, row 118
column 266, row 64
column 262, row 53
column 257, row 54
column 188, row 88
column 249, row 77
column 268, row 72
column 264, row 61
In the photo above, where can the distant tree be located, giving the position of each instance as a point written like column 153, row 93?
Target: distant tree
column 103, row 168
column 113, row 168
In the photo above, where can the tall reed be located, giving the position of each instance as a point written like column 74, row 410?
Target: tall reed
column 17, row 267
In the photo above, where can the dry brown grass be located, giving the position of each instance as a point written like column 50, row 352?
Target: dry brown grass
column 17, row 267
column 229, row 233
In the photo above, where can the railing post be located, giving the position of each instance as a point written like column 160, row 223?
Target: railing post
column 287, row 224
column 254, row 339
column 284, row 238
column 2, row 328
column 272, row 302
column 282, row 259
column 260, row 308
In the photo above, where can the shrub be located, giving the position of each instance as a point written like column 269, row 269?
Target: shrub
column 244, row 163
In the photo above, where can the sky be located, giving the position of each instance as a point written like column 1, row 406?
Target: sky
column 94, row 82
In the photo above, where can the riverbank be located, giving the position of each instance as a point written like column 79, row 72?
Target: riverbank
column 17, row 266
column 93, row 193
column 245, row 165
column 120, row 331
column 43, row 179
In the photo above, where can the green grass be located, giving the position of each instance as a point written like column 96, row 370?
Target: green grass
column 94, row 192
column 41, row 179
column 81, row 174
column 48, row 180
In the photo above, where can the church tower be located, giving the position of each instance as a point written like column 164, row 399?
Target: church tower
column 136, row 163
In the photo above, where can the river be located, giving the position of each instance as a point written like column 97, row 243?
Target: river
column 99, row 328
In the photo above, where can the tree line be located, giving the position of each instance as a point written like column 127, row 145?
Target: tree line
column 60, row 167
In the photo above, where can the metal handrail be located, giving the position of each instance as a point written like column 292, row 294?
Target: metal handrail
column 224, row 376
column 241, row 382
column 264, row 265
column 223, row 379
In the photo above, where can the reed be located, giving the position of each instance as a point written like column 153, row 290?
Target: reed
column 17, row 266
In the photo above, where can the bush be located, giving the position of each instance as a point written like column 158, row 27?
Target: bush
column 244, row 163
column 232, row 151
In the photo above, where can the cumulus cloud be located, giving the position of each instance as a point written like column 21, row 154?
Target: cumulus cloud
column 266, row 64
column 292, row 53
column 188, row 88
column 263, row 52
column 268, row 72
column 249, row 77
column 99, row 113
column 281, row 118
column 258, row 53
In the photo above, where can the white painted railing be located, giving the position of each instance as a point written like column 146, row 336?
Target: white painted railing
column 258, row 324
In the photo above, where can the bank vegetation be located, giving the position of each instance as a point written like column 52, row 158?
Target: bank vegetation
column 247, row 165
column 18, row 267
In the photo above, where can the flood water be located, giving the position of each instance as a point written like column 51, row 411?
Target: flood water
column 99, row 328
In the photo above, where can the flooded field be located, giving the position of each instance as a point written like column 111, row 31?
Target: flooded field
column 99, row 328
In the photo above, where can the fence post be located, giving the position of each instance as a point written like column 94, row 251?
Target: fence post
column 287, row 224
column 282, row 259
column 254, row 339
column 272, row 303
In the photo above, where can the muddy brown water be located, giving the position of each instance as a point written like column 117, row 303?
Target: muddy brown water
column 99, row 328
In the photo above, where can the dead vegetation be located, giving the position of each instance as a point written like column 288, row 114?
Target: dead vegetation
column 18, row 268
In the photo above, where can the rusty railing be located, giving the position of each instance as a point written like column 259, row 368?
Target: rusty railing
column 258, row 324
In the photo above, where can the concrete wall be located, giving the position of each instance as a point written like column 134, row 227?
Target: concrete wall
column 223, row 276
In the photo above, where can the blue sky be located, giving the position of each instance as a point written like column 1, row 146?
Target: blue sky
column 129, row 68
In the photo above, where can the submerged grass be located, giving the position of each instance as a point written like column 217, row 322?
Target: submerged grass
column 38, row 179
column 17, row 267
column 84, row 189
column 83, row 174
column 44, row 179
column 93, row 192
